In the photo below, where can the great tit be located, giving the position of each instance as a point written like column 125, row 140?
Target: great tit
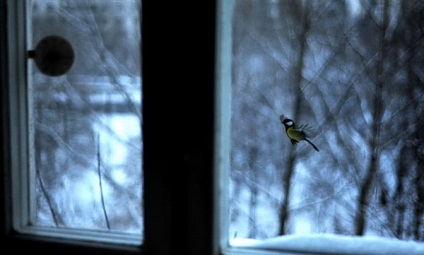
column 295, row 133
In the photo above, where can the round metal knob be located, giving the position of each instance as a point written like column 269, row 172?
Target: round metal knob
column 53, row 55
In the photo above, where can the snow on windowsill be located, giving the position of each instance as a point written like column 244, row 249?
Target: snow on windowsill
column 334, row 244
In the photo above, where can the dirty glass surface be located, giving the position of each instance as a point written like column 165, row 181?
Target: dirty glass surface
column 352, row 71
column 86, row 124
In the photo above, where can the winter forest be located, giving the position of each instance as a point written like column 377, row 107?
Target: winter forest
column 86, row 125
column 352, row 70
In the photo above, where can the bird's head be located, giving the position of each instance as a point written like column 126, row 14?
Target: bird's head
column 287, row 123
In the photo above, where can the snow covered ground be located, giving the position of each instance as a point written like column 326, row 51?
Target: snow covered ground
column 334, row 244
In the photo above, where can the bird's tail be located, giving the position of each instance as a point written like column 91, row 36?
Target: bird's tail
column 313, row 145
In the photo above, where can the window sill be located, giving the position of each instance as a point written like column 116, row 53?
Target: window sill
column 24, row 242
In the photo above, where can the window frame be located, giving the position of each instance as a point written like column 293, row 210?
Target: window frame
column 178, row 205
column 16, row 138
column 223, row 99
column 185, row 156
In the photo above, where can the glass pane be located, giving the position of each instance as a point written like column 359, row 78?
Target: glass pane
column 351, row 70
column 86, row 124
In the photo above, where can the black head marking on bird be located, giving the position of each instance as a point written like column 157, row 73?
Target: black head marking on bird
column 288, row 123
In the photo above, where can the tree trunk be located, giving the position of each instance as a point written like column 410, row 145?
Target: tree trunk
column 290, row 165
column 363, row 197
column 253, row 191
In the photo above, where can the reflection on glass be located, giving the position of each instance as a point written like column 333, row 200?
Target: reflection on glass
column 86, row 124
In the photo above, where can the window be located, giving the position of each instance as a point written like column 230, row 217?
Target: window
column 83, row 165
column 86, row 124
column 177, row 148
column 180, row 205
column 349, row 69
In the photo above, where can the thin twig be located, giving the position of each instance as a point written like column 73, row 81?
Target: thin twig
column 100, row 182
column 48, row 200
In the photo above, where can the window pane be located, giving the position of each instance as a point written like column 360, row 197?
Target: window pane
column 351, row 70
column 86, row 124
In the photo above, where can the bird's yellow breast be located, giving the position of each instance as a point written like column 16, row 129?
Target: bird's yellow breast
column 295, row 134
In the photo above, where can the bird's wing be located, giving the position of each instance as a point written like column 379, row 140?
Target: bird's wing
column 307, row 129
column 303, row 127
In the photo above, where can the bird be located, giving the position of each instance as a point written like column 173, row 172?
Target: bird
column 296, row 133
